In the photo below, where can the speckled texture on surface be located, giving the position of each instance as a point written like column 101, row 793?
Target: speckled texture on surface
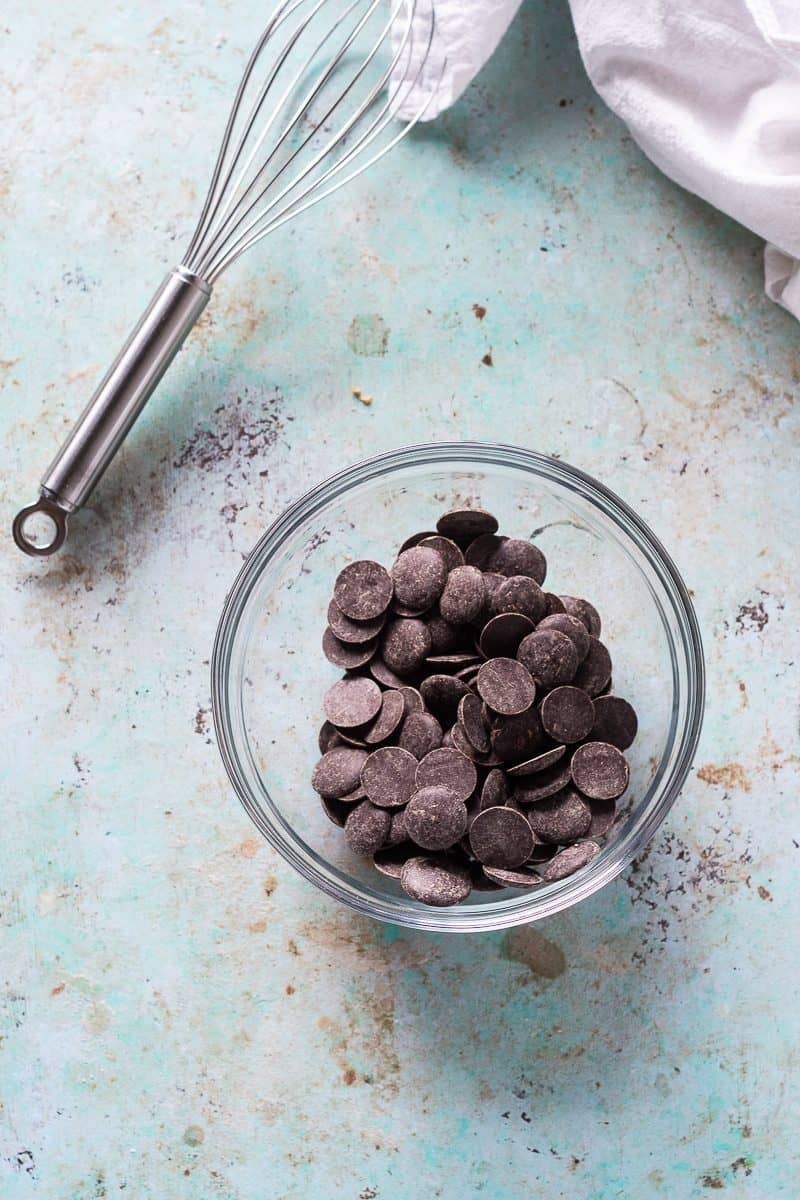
column 183, row 1016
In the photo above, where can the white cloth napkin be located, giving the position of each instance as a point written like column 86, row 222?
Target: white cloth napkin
column 710, row 89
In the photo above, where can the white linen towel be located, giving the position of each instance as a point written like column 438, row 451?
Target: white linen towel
column 710, row 89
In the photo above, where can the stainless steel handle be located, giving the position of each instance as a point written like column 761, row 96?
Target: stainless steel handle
column 112, row 410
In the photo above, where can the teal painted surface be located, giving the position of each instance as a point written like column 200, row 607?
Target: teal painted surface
column 182, row 1016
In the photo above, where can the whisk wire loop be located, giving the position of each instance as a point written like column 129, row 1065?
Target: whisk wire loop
column 282, row 157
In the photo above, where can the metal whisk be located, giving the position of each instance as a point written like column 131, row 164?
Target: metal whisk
column 314, row 109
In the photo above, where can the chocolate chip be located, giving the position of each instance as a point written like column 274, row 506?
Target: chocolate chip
column 463, row 597
column 517, row 738
column 420, row 734
column 435, row 881
column 418, row 576
column 479, row 552
column 391, row 859
column 534, row 766
column 520, row 878
column 363, row 590
column 615, row 721
column 388, row 776
column 447, row 549
column 542, row 852
column 435, row 818
column 603, row 814
column 338, row 772
column 442, row 694
column 328, row 737
column 595, row 670
column 533, row 788
column 366, row 828
column 353, row 632
column 554, row 604
column 572, row 627
column 567, row 714
column 379, row 670
column 502, row 635
column 406, row 610
column 450, row 769
column 491, row 582
column 516, row 557
column 347, row 655
column 415, row 539
column 584, row 611
column 506, row 686
column 352, row 737
column 412, row 699
column 405, row 645
column 336, row 811
column 519, row 594
column 561, row 818
column 388, row 719
column 397, row 830
column 480, row 880
column 500, row 837
column 550, row 657
column 465, row 524
column 352, row 702
column 459, row 741
column 468, row 674
column 470, row 716
column 445, row 638
column 599, row 770
column 570, row 860
column 452, row 662
column 494, row 792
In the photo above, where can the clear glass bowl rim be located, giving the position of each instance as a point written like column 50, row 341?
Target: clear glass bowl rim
column 530, row 906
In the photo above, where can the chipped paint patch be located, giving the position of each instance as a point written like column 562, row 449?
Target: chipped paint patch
column 541, row 956
column 368, row 336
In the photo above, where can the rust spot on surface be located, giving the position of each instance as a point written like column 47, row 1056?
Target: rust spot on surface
column 751, row 616
column 535, row 951
column 249, row 847
column 258, row 926
column 201, row 720
column 712, row 1181
column 270, row 883
column 58, row 989
column 487, row 359
column 349, row 1076
column 729, row 775
column 293, row 947
column 479, row 310
column 290, row 989
column 743, row 693
column 763, row 893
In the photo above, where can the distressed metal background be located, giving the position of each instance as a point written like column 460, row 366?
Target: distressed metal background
column 182, row 1016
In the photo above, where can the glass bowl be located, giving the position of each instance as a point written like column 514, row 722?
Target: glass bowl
column 269, row 675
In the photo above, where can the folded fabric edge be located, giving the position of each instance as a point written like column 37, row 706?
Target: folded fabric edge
column 782, row 279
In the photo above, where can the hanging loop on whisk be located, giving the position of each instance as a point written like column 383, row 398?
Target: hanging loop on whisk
column 314, row 109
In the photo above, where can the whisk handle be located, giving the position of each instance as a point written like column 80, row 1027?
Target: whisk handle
column 115, row 405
